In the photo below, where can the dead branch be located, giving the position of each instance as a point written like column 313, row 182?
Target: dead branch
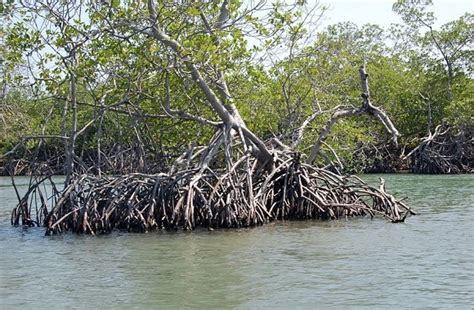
column 366, row 108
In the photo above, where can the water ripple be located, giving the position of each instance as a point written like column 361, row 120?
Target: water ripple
column 427, row 262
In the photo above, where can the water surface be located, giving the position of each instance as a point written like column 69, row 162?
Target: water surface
column 427, row 262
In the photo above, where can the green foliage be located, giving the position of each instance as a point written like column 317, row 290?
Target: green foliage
column 415, row 12
column 278, row 68
column 460, row 112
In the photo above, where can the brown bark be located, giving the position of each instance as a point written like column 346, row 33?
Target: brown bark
column 225, row 114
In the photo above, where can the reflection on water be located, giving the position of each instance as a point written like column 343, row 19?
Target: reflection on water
column 426, row 262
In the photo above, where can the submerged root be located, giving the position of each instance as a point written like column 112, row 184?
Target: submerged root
column 242, row 195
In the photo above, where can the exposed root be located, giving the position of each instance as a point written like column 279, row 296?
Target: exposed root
column 243, row 194
column 382, row 157
column 444, row 151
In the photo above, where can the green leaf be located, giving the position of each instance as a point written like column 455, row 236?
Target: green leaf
column 115, row 3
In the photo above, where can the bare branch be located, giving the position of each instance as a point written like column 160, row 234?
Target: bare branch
column 366, row 108
column 371, row 109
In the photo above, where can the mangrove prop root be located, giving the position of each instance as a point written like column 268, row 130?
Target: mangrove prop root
column 444, row 151
column 241, row 195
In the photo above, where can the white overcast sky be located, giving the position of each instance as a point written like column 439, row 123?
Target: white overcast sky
column 380, row 11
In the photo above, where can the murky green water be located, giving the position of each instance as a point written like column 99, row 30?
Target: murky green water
column 427, row 262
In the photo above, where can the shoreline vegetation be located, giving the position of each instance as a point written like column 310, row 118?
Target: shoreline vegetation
column 446, row 151
column 186, row 114
column 417, row 163
column 245, row 195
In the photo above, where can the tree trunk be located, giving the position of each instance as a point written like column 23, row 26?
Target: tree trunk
column 229, row 115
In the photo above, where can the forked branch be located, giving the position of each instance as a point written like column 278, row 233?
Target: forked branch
column 366, row 108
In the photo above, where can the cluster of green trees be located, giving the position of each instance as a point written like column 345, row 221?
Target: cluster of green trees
column 87, row 78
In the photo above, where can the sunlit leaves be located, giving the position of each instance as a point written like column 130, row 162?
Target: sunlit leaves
column 279, row 69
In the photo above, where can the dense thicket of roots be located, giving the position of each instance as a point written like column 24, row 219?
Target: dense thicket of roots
column 242, row 195
column 114, row 159
column 446, row 150
column 380, row 158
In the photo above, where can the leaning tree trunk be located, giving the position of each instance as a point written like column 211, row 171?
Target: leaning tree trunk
column 229, row 115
